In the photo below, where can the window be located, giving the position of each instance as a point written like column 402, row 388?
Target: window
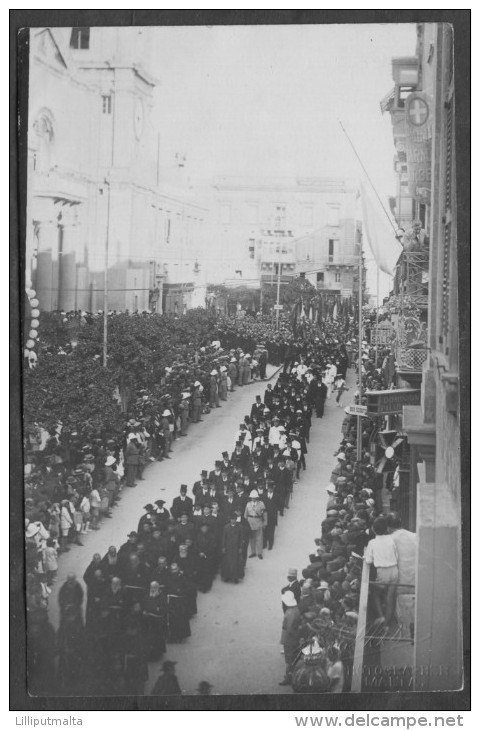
column 251, row 247
column 106, row 104
column 338, row 277
column 331, row 249
column 320, row 276
column 333, row 215
column 80, row 38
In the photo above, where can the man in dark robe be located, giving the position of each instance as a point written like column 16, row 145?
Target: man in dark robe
column 167, row 682
column 232, row 569
column 178, row 620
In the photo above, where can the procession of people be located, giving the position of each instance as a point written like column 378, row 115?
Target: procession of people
column 140, row 596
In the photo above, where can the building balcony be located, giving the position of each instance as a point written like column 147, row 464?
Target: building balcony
column 411, row 277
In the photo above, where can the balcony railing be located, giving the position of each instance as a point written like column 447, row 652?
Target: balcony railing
column 411, row 358
column 411, row 278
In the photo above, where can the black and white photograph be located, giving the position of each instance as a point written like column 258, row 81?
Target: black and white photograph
column 243, row 348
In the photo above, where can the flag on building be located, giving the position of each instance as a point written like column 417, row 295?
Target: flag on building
column 380, row 236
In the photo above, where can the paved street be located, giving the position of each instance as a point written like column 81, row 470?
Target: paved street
column 235, row 635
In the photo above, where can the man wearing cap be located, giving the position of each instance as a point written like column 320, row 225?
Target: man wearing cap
column 182, row 504
column 256, row 516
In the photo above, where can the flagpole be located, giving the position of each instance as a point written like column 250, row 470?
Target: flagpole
column 360, row 340
column 368, row 176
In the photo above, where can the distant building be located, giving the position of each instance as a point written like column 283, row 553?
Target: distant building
column 305, row 225
column 95, row 191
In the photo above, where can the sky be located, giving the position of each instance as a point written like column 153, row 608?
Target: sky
column 267, row 100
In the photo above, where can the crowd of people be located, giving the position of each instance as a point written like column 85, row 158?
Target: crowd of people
column 322, row 606
column 143, row 595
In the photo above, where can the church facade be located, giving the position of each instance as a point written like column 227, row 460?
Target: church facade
column 97, row 201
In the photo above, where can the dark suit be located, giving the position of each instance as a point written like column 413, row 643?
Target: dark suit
column 272, row 507
column 181, row 506
column 296, row 590
column 283, row 482
column 320, row 398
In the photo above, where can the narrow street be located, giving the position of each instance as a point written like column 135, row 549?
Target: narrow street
column 236, row 633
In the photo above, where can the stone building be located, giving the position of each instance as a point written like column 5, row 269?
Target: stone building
column 423, row 112
column 305, row 225
column 97, row 199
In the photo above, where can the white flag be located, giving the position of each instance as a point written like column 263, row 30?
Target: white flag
column 380, row 236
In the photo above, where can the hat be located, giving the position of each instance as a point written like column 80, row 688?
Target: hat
column 276, row 418
column 223, row 369
column 233, row 359
column 168, row 664
column 331, row 489
column 288, row 599
column 160, row 502
column 185, row 395
column 292, row 573
column 196, row 384
column 183, row 487
column 225, row 454
column 149, row 507
column 254, row 494
column 132, row 534
column 341, row 456
column 214, row 372
column 166, row 412
column 281, row 428
column 204, row 473
column 110, row 460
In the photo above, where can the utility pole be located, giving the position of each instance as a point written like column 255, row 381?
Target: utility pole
column 278, row 283
column 105, row 281
column 360, row 340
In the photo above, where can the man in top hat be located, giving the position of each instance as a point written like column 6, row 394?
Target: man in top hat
column 215, row 476
column 226, row 464
column 272, row 507
column 182, row 504
column 239, row 457
column 257, row 408
column 256, row 517
column 200, row 483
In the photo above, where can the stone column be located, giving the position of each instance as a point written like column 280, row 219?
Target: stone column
column 46, row 280
column 68, row 259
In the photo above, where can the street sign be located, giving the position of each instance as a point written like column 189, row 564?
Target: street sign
column 385, row 402
column 357, row 410
column 278, row 306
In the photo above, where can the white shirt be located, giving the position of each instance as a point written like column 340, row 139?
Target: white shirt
column 382, row 552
